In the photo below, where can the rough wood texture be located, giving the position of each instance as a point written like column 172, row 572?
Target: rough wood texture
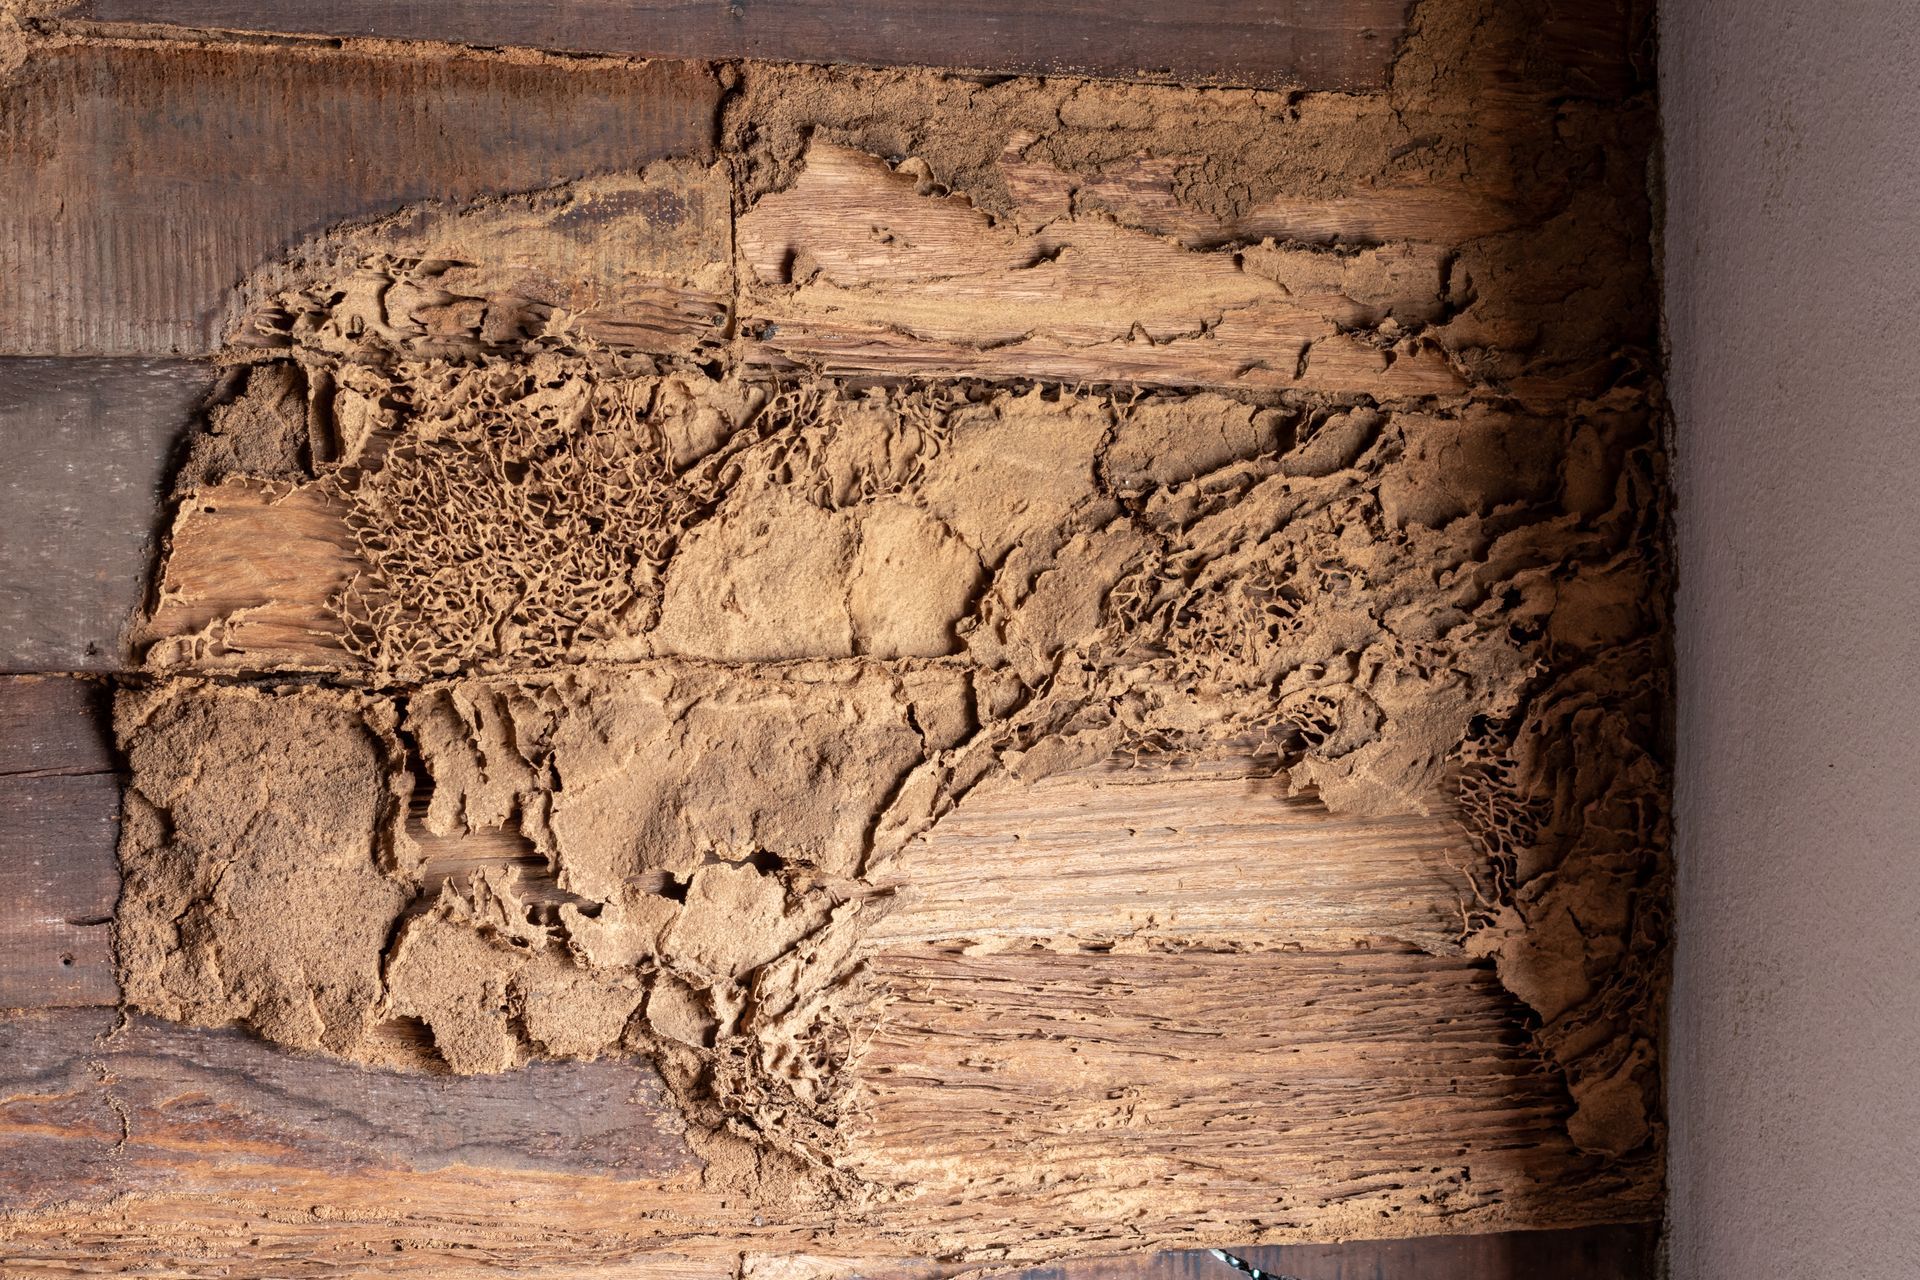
column 1209, row 855
column 88, row 446
column 1235, row 1075
column 1128, row 1093
column 59, row 816
column 250, row 1163
column 1314, row 44
column 270, row 1164
column 635, row 677
column 143, row 184
column 857, row 272
column 288, row 1165
column 1585, row 1253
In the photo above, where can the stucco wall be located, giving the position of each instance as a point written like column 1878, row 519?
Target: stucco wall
column 1793, row 261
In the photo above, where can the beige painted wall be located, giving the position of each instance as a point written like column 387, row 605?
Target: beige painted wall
column 1793, row 261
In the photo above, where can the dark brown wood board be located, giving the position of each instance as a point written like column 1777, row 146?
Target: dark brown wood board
column 59, row 816
column 140, row 184
column 88, row 445
column 1311, row 44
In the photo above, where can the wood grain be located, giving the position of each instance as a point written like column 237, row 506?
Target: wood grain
column 1210, row 854
column 1165, row 1094
column 1096, row 1039
column 1624, row 1252
column 1314, row 44
column 142, row 184
column 852, row 270
column 209, row 1152
column 1131, row 1095
column 59, row 818
column 88, row 445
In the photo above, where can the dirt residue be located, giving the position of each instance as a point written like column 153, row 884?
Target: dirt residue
column 1456, row 115
column 1382, row 606
column 705, row 634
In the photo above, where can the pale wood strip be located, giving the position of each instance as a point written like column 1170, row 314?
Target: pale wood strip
column 1160, row 854
column 852, row 271
column 1369, row 1092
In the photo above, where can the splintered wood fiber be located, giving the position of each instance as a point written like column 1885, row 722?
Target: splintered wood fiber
column 700, row 612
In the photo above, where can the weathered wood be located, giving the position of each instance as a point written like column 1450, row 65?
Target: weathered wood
column 59, row 811
column 142, row 184
column 53, row 726
column 638, row 262
column 1212, row 855
column 88, row 445
column 1624, row 1252
column 1166, row 1094
column 291, row 1165
column 1315, row 44
column 1049, row 1052
column 853, row 271
column 1129, row 1094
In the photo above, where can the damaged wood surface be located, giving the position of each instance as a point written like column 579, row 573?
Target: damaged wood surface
column 860, row 273
column 1308, row 44
column 1043, row 666
column 372, row 1165
column 998, row 1042
column 1155, row 856
column 153, row 1144
column 145, row 181
column 1584, row 1253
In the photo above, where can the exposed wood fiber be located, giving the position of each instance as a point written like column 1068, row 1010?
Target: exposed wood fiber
column 1074, row 666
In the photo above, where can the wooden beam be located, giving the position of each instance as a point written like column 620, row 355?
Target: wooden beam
column 1150, row 1094
column 1625, row 1252
column 1204, row 1060
column 143, row 183
column 854, row 271
column 89, row 446
column 156, row 1143
column 1210, row 854
column 1311, row 44
column 59, row 817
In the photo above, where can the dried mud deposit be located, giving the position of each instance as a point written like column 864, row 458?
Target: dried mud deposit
column 693, row 565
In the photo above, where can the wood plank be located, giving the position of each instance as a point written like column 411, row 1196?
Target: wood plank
column 1313, row 44
column 993, row 1123
column 208, row 1152
column 53, row 726
column 144, row 183
column 1209, row 854
column 854, row 271
column 1177, row 1088
column 1161, row 1095
column 1621, row 1252
column 59, row 818
column 89, row 446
